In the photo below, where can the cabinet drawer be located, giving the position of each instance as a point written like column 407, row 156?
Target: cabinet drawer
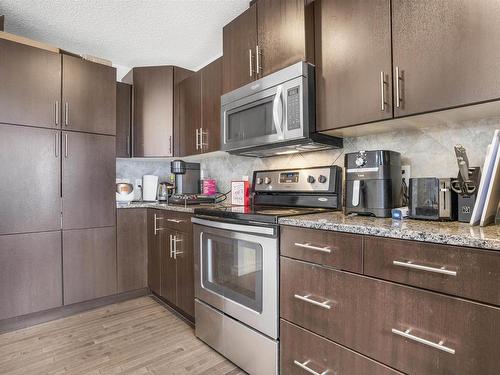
column 463, row 272
column 338, row 250
column 179, row 221
column 301, row 350
column 446, row 335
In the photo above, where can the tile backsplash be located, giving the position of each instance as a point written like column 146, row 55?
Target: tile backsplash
column 428, row 151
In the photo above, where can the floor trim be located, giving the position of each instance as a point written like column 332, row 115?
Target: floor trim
column 24, row 321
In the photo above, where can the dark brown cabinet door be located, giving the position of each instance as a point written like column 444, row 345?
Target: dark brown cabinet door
column 88, row 180
column 444, row 54
column 211, row 91
column 153, row 111
column 30, row 273
column 30, row 161
column 189, row 115
column 155, row 218
column 88, row 96
column 285, row 30
column 353, row 62
column 302, row 351
column 239, row 42
column 132, row 249
column 180, row 75
column 89, row 264
column 123, row 119
column 30, row 79
column 185, row 272
column 169, row 265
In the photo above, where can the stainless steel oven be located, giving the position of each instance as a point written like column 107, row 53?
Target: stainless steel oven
column 273, row 115
column 236, row 289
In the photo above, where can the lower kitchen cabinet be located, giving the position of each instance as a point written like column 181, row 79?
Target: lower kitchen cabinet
column 171, row 261
column 30, row 273
column 303, row 351
column 132, row 249
column 413, row 331
column 89, row 264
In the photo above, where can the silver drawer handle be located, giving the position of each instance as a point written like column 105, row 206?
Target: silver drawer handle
column 325, row 249
column 175, row 221
column 311, row 371
column 325, row 305
column 420, row 267
column 408, row 335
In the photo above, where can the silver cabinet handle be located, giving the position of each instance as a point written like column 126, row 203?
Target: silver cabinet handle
column 66, row 145
column 398, row 94
column 56, row 144
column 156, row 229
column 177, row 221
column 303, row 366
column 409, row 264
column 250, row 62
column 258, row 53
column 197, row 138
column 57, row 112
column 171, row 243
column 66, row 113
column 170, row 144
column 383, row 84
column 128, row 145
column 325, row 249
column 325, row 305
column 406, row 334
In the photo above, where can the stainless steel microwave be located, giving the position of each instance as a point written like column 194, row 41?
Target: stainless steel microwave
column 274, row 115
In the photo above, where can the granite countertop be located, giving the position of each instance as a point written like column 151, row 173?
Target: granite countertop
column 163, row 206
column 449, row 233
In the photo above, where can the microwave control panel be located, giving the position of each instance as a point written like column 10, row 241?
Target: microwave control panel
column 293, row 108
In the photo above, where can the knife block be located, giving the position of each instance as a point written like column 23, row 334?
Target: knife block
column 466, row 202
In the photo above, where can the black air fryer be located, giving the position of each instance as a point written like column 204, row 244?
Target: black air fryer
column 373, row 182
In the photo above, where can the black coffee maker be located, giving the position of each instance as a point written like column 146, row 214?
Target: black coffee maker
column 373, row 182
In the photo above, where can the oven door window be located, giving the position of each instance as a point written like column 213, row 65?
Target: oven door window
column 233, row 269
column 252, row 121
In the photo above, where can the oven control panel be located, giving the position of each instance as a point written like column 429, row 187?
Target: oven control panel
column 317, row 179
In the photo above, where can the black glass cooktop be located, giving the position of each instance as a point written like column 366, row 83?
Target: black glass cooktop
column 263, row 214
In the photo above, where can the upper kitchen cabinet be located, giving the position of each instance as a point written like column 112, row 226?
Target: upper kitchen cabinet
column 211, row 91
column 270, row 35
column 123, row 119
column 443, row 54
column 285, row 33
column 199, row 111
column 239, row 42
column 30, row 79
column 353, row 62
column 189, row 116
column 154, row 97
column 88, row 96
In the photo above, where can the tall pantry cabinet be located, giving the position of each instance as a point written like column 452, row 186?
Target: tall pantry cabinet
column 57, row 157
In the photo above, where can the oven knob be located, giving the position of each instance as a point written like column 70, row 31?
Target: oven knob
column 267, row 180
column 259, row 181
column 322, row 179
column 311, row 179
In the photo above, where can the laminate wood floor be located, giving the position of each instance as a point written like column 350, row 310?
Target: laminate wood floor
column 137, row 337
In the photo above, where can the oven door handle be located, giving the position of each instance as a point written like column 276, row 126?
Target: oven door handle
column 234, row 227
column 277, row 119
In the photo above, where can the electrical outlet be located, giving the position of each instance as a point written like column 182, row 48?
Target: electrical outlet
column 406, row 171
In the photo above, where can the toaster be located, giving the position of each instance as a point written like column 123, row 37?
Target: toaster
column 432, row 199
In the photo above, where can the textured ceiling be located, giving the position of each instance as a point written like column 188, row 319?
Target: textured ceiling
column 128, row 32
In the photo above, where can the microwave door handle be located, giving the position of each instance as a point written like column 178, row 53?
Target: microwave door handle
column 277, row 120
